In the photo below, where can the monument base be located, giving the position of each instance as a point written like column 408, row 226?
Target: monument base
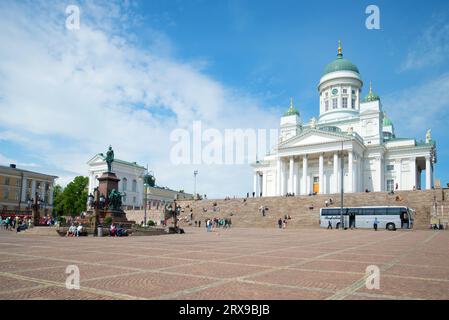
column 118, row 217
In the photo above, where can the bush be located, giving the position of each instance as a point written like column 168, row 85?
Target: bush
column 151, row 223
column 61, row 219
column 107, row 220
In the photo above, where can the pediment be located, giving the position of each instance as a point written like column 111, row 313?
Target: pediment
column 98, row 158
column 311, row 137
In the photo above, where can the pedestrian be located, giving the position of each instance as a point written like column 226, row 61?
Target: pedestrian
column 199, row 223
column 376, row 222
column 280, row 223
column 284, row 224
column 329, row 225
column 196, row 223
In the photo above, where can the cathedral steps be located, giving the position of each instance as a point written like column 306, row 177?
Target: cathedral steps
column 304, row 210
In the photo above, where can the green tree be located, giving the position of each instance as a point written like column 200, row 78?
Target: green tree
column 73, row 199
column 57, row 200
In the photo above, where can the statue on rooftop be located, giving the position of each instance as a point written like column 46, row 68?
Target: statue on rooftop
column 428, row 136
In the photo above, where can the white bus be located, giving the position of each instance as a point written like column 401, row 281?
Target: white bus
column 390, row 218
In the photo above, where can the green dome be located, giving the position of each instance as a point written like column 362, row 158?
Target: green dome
column 340, row 64
column 387, row 122
column 371, row 96
column 291, row 111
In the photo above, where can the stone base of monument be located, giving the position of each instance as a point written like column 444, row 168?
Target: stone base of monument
column 118, row 217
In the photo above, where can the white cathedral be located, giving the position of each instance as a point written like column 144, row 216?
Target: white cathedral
column 307, row 159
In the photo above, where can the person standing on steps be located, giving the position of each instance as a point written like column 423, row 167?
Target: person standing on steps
column 376, row 222
column 280, row 223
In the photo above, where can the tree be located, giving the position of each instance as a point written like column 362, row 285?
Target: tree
column 57, row 200
column 73, row 199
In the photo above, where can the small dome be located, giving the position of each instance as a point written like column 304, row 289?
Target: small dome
column 340, row 64
column 387, row 122
column 371, row 96
column 291, row 111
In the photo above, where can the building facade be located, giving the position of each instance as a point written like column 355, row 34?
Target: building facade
column 18, row 186
column 130, row 175
column 352, row 138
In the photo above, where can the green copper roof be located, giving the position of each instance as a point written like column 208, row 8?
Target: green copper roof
column 340, row 64
column 371, row 96
column 291, row 111
column 387, row 122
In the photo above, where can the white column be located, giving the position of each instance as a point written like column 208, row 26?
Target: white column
column 264, row 185
column 290, row 176
column 304, row 175
column 321, row 174
column 413, row 173
column 278, row 177
column 428, row 173
column 260, row 184
column 282, row 178
column 350, row 172
column 33, row 189
column 295, row 178
column 336, row 188
column 378, row 186
column 24, row 190
column 433, row 174
column 255, row 182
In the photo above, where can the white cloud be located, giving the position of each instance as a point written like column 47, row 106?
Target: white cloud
column 72, row 93
column 431, row 48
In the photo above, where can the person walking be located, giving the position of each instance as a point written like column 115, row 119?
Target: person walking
column 329, row 225
column 280, row 223
column 376, row 222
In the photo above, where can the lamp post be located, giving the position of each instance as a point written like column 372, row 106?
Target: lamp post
column 195, row 173
column 341, row 187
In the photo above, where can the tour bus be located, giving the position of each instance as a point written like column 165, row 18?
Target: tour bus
column 389, row 218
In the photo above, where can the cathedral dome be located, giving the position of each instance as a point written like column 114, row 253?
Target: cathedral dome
column 340, row 64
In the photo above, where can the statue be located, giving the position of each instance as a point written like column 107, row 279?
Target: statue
column 428, row 136
column 313, row 123
column 110, row 158
column 115, row 200
column 351, row 130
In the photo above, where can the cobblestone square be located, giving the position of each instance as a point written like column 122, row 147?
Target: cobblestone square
column 239, row 263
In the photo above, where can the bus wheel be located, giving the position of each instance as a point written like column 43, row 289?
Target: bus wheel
column 391, row 227
column 337, row 225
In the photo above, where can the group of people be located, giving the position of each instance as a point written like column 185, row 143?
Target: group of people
column 283, row 223
column 211, row 224
column 288, row 194
column 115, row 231
column 16, row 223
column 75, row 230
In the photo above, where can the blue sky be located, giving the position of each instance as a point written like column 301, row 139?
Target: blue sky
column 153, row 66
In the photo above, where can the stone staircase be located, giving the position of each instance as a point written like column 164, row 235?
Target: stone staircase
column 304, row 210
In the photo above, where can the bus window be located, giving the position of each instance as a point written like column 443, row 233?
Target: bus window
column 394, row 211
column 380, row 211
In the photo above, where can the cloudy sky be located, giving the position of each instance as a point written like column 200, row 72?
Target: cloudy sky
column 136, row 71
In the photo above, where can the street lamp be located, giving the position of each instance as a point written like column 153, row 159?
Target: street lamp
column 195, row 173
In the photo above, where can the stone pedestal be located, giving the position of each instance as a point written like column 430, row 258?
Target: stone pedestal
column 107, row 182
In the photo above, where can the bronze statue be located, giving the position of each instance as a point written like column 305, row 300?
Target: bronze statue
column 110, row 158
column 115, row 200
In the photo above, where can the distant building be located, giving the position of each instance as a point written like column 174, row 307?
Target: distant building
column 159, row 196
column 17, row 186
column 130, row 175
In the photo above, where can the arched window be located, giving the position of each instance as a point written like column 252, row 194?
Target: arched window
column 134, row 186
column 124, row 184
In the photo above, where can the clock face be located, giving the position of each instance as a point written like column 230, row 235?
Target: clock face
column 334, row 91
